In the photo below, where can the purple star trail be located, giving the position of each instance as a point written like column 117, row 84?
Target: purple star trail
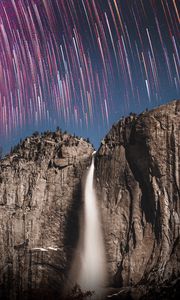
column 82, row 64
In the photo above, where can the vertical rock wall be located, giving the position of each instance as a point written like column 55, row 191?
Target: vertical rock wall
column 138, row 183
column 40, row 197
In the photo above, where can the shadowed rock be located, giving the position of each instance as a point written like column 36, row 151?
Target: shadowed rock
column 138, row 182
column 40, row 198
column 138, row 186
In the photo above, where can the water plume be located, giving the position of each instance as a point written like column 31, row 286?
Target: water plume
column 90, row 265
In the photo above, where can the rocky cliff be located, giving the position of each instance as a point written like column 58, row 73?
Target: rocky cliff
column 137, row 177
column 40, row 196
column 138, row 185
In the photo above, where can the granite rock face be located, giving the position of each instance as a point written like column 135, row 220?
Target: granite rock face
column 40, row 197
column 137, row 179
column 138, row 186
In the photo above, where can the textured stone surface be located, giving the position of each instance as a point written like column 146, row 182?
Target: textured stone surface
column 40, row 196
column 138, row 184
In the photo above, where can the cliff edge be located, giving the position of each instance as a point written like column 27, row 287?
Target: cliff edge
column 40, row 198
column 138, row 184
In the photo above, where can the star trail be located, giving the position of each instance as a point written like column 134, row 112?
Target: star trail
column 82, row 64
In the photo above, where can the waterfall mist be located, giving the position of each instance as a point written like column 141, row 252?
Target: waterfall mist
column 89, row 267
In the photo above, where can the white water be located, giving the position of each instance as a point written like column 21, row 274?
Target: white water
column 89, row 265
column 92, row 271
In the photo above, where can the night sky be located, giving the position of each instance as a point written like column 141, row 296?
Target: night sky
column 82, row 64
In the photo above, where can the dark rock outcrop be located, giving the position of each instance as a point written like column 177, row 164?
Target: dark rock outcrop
column 138, row 185
column 40, row 196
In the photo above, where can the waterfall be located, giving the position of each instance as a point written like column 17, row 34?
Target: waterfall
column 89, row 266
column 92, row 253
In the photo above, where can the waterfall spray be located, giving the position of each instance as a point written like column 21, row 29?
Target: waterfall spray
column 92, row 271
column 89, row 267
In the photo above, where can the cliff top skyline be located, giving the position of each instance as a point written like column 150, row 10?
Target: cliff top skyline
column 81, row 65
column 61, row 137
column 46, row 191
